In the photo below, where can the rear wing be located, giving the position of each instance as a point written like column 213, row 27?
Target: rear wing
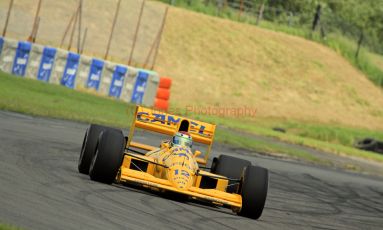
column 168, row 124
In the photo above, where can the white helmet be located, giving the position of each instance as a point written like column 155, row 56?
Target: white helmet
column 182, row 139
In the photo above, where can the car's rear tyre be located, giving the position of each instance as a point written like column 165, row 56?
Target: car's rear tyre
column 213, row 167
column 230, row 167
column 89, row 147
column 254, row 186
column 108, row 157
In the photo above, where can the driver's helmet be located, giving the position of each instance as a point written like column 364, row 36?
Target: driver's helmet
column 182, row 138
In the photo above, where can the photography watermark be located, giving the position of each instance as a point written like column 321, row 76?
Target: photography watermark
column 221, row 111
column 208, row 110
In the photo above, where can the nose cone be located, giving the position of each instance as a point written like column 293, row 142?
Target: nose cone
column 181, row 178
column 182, row 167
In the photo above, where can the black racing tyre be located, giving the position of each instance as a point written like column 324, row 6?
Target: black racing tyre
column 89, row 147
column 230, row 167
column 108, row 157
column 254, row 186
column 213, row 167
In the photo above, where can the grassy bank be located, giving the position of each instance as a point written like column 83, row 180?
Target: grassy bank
column 282, row 76
column 41, row 99
column 341, row 44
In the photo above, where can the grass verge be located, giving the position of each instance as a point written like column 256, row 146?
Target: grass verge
column 234, row 139
column 332, row 138
column 8, row 227
column 41, row 99
column 340, row 44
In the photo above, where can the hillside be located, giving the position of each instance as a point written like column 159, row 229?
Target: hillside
column 97, row 17
column 218, row 62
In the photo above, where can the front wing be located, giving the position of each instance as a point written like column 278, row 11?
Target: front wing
column 205, row 188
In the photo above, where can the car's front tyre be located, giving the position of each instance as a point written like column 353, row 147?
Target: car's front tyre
column 89, row 147
column 108, row 157
column 254, row 186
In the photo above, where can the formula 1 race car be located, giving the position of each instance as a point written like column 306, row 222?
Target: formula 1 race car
column 110, row 157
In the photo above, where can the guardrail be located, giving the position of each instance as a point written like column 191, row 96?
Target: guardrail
column 57, row 66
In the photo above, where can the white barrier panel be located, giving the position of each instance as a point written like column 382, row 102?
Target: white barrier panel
column 83, row 71
column 34, row 61
column 58, row 69
column 8, row 54
column 130, row 78
column 151, row 89
column 106, row 78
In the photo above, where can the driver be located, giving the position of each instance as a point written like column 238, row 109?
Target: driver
column 182, row 138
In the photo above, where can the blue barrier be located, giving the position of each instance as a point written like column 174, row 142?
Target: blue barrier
column 46, row 64
column 117, row 81
column 70, row 71
column 95, row 74
column 21, row 58
column 139, row 87
column 1, row 44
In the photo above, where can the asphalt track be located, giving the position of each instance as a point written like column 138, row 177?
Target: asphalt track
column 40, row 188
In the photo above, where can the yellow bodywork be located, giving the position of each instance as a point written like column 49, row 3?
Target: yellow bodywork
column 175, row 169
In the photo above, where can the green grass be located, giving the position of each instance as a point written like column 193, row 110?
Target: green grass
column 262, row 146
column 209, row 9
column 332, row 133
column 332, row 138
column 347, row 49
column 376, row 59
column 41, row 99
column 8, row 227
column 340, row 44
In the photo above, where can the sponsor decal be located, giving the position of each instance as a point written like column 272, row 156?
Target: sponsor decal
column 170, row 120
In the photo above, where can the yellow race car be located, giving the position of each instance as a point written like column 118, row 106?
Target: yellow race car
column 110, row 157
